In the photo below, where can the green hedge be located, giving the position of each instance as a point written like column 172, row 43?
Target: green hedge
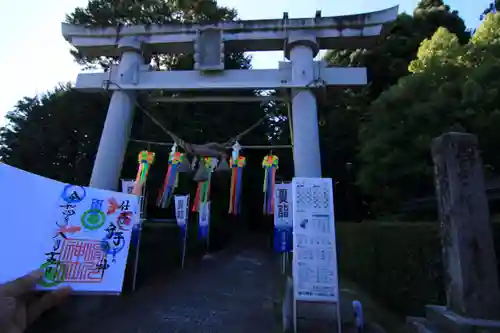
column 399, row 264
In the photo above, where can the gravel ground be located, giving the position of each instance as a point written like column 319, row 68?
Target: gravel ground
column 233, row 291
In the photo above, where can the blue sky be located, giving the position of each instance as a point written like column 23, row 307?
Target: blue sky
column 35, row 57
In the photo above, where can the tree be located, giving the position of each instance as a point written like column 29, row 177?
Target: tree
column 55, row 135
column 105, row 13
column 386, row 63
column 441, row 49
column 452, row 86
column 492, row 8
column 488, row 32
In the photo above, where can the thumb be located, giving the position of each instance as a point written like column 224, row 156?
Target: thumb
column 48, row 301
column 22, row 285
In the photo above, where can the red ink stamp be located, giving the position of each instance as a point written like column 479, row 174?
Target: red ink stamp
column 82, row 260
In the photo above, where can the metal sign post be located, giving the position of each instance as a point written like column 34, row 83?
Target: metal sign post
column 184, row 247
column 142, row 203
column 136, row 259
column 283, row 263
column 315, row 275
column 208, row 227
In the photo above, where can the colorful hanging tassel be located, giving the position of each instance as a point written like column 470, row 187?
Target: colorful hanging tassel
column 203, row 189
column 171, row 181
column 236, row 185
column 146, row 159
column 270, row 165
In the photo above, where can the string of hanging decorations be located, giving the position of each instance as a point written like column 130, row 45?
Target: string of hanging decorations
column 170, row 144
column 212, row 157
column 205, row 166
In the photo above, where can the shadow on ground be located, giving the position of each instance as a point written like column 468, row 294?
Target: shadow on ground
column 235, row 290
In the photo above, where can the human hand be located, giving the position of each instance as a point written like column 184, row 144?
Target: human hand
column 19, row 307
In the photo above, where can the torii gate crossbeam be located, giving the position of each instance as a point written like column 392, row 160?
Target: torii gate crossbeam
column 301, row 39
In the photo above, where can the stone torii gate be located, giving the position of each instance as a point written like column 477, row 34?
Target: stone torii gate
column 301, row 40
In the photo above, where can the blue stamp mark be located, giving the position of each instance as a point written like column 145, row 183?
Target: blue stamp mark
column 73, row 193
column 109, row 246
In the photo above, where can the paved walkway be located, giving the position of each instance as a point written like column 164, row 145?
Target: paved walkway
column 234, row 291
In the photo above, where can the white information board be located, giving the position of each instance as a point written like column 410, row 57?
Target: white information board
column 315, row 257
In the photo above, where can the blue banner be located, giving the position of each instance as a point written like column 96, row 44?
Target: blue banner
column 203, row 232
column 204, row 220
column 181, row 214
column 283, row 239
column 283, row 222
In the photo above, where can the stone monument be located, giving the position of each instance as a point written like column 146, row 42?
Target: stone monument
column 470, row 266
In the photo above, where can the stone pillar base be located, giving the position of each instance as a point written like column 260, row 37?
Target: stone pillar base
column 439, row 319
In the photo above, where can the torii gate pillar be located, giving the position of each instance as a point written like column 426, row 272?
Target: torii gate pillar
column 301, row 51
column 116, row 131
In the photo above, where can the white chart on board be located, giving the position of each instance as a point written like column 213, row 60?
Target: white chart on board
column 315, row 256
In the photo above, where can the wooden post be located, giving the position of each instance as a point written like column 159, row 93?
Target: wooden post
column 470, row 265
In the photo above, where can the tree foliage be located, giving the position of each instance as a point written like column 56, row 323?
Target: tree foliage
column 387, row 62
column 55, row 135
column 453, row 86
column 119, row 13
column 492, row 8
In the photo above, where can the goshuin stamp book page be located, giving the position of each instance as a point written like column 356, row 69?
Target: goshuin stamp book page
column 78, row 236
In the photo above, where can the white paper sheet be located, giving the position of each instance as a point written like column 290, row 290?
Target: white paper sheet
column 27, row 202
column 128, row 185
column 204, row 218
column 181, row 209
column 80, row 236
column 315, row 256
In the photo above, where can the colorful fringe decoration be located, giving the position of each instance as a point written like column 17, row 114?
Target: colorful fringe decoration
column 146, row 159
column 171, row 179
column 236, row 185
column 270, row 165
column 203, row 189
